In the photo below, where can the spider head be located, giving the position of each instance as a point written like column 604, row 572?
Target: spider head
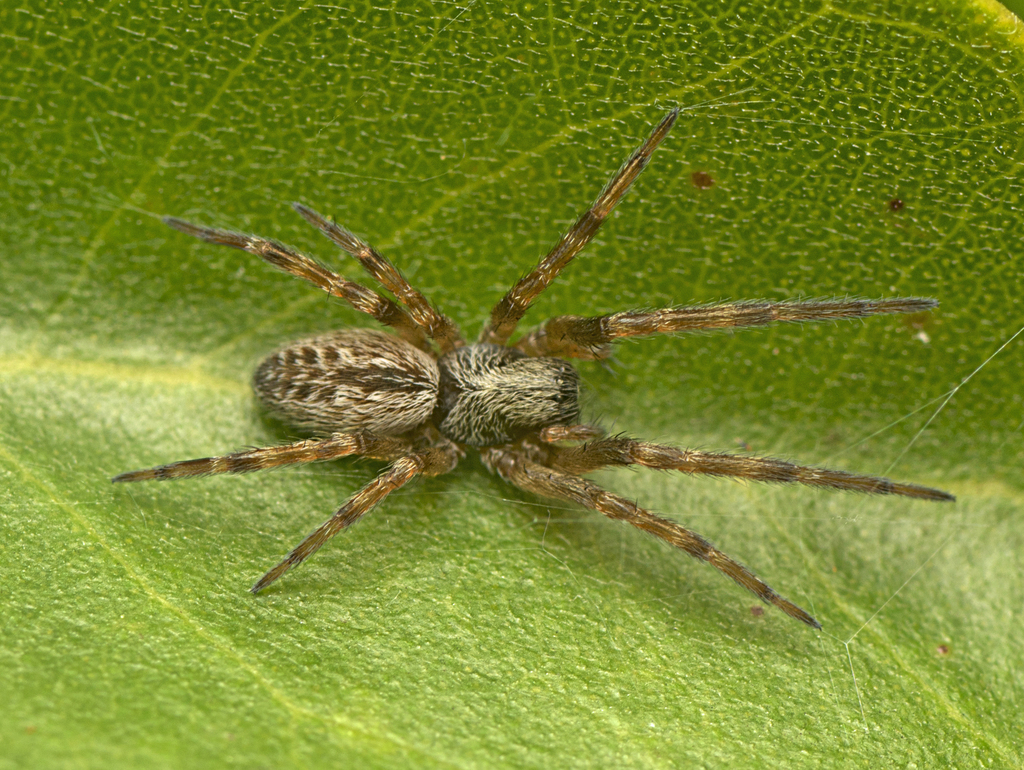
column 490, row 395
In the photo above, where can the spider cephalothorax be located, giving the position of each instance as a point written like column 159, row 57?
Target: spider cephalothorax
column 491, row 394
column 420, row 399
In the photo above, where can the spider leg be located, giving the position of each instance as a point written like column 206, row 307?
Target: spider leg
column 590, row 338
column 290, row 261
column 507, row 313
column 619, row 450
column 434, row 461
column 439, row 326
column 554, row 433
column 549, row 482
column 310, row 451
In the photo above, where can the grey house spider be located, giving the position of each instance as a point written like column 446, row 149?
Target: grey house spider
column 420, row 399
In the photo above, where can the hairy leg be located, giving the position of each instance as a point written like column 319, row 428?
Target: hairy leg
column 554, row 433
column 309, row 451
column 506, row 314
column 619, row 450
column 548, row 482
column 439, row 327
column 590, row 338
column 430, row 462
column 290, row 261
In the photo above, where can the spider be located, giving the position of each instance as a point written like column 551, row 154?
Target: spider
column 419, row 399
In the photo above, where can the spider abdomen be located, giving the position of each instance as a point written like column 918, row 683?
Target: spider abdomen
column 490, row 394
column 356, row 379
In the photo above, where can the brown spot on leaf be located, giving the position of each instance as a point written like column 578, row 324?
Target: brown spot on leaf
column 942, row 649
column 918, row 321
column 895, row 204
column 702, row 180
column 757, row 610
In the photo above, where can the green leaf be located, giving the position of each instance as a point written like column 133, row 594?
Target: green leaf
column 466, row 624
